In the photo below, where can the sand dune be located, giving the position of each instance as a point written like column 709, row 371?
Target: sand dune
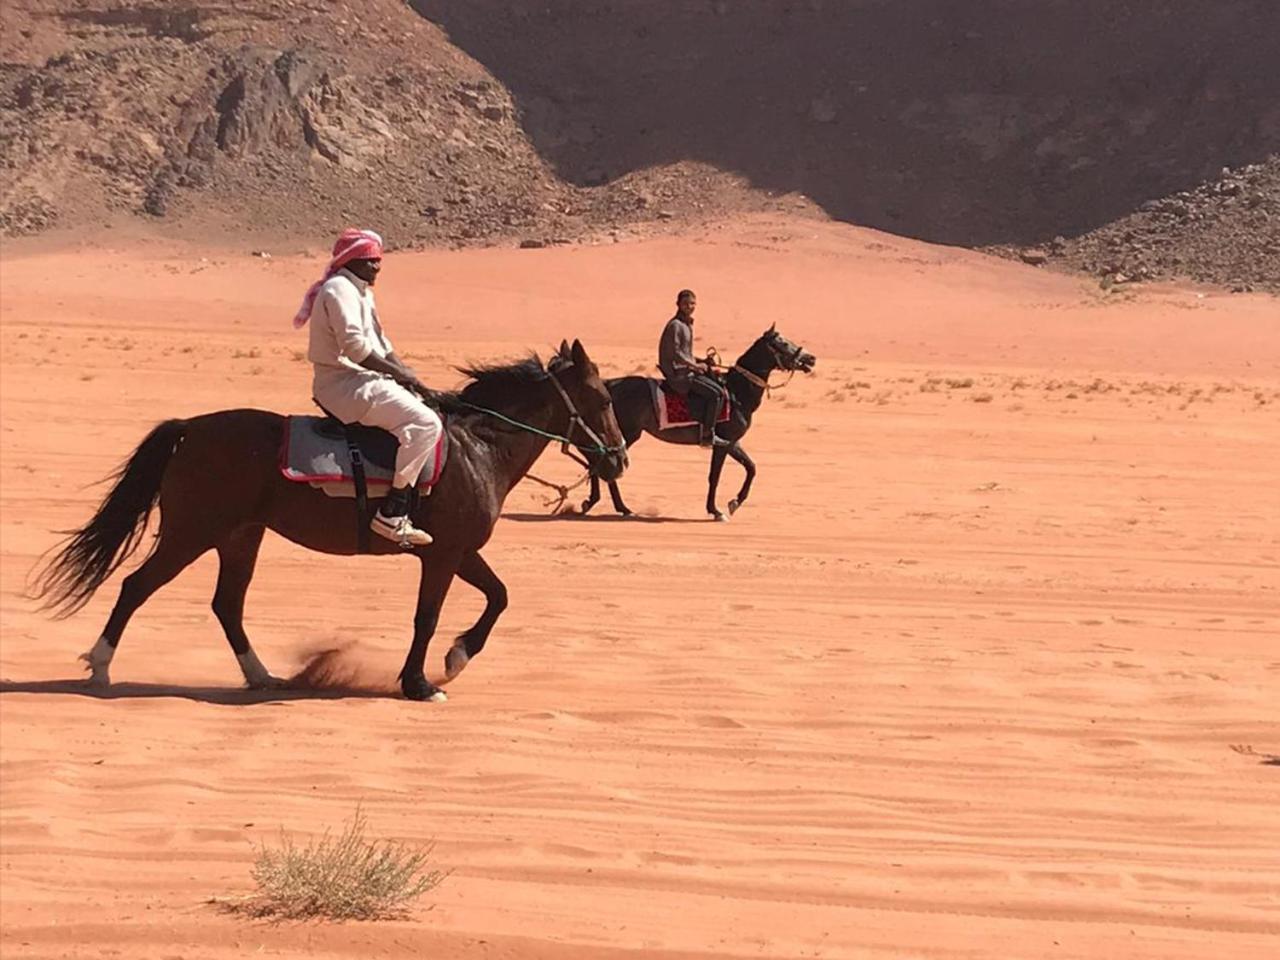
column 961, row 680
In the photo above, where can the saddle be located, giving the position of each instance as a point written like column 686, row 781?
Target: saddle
column 376, row 446
column 347, row 459
column 672, row 409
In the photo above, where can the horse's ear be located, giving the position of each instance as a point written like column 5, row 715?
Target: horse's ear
column 773, row 329
column 564, row 349
column 579, row 354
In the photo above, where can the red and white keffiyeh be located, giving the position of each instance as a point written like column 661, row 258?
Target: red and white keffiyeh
column 354, row 244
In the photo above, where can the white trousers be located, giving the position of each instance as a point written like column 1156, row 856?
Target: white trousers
column 417, row 427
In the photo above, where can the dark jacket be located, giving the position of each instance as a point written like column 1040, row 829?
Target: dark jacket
column 675, row 354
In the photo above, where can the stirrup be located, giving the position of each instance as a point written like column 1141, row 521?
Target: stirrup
column 399, row 530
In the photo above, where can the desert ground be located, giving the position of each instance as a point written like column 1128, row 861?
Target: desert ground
column 986, row 668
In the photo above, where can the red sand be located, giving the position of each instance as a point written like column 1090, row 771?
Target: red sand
column 961, row 680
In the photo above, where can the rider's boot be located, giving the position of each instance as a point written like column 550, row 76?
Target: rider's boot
column 707, row 431
column 707, row 438
column 392, row 521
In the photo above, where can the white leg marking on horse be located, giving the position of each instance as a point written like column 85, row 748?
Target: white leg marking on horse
column 255, row 674
column 438, row 697
column 455, row 661
column 99, row 661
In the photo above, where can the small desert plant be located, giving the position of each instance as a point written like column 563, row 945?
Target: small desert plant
column 347, row 877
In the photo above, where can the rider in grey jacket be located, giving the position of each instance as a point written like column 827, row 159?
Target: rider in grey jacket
column 683, row 372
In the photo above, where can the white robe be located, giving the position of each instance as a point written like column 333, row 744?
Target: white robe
column 344, row 331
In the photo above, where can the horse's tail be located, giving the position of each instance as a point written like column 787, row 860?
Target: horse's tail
column 115, row 532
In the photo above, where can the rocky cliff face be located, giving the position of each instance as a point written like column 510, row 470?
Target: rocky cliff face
column 1224, row 231
column 973, row 123
column 280, row 118
column 987, row 123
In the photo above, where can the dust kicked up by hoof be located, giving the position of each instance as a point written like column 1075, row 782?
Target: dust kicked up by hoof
column 339, row 670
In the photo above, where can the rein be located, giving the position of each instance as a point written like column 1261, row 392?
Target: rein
column 761, row 382
column 562, row 490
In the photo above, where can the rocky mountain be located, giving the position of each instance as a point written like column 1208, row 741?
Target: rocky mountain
column 992, row 123
column 284, row 118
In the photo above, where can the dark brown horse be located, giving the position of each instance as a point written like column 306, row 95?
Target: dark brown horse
column 747, row 382
column 218, row 484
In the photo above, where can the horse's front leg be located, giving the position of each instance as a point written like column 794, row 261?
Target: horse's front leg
column 594, row 497
column 474, row 571
column 616, row 495
column 437, row 573
column 748, row 465
column 713, row 481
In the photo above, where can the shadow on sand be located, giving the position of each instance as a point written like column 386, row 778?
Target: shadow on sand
column 597, row 518
column 230, row 696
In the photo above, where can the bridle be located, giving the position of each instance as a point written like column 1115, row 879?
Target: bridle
column 597, row 445
column 576, row 422
column 785, row 361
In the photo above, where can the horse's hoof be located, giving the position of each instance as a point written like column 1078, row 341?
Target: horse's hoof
column 419, row 688
column 99, row 675
column 586, row 505
column 719, row 517
column 733, row 507
column 626, row 514
column 455, row 661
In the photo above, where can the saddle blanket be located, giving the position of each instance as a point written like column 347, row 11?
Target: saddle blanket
column 672, row 409
column 314, row 451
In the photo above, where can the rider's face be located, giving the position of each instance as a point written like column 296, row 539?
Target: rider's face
column 686, row 306
column 366, row 270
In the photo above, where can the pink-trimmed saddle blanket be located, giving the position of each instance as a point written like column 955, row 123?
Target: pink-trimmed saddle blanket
column 314, row 450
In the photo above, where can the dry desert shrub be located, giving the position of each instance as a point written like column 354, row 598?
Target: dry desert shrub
column 347, row 877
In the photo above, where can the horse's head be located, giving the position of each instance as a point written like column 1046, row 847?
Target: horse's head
column 786, row 355
column 592, row 425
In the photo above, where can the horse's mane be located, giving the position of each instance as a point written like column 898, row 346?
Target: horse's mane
column 491, row 384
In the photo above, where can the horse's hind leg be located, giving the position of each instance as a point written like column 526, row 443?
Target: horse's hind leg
column 172, row 555
column 237, row 556
column 475, row 572
column 748, row 465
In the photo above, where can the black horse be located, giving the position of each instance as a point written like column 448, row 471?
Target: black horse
column 747, row 382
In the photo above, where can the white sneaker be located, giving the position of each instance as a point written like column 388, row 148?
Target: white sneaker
column 399, row 530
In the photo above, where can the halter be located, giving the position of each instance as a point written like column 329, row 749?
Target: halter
column 575, row 420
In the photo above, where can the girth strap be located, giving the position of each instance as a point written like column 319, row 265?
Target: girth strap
column 362, row 492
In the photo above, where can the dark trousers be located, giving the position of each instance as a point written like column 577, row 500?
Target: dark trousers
column 706, row 400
